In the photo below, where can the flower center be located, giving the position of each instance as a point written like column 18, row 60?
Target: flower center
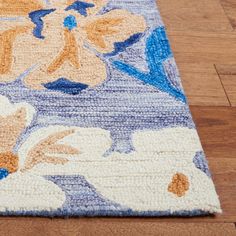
column 70, row 22
column 3, row 173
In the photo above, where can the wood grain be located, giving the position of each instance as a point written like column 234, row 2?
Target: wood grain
column 230, row 10
column 202, row 84
column 217, row 130
column 200, row 15
column 110, row 227
column 227, row 75
column 203, row 47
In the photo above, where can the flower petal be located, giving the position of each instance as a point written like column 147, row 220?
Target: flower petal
column 72, row 62
column 14, row 21
column 48, row 149
column 29, row 193
column 19, row 7
column 142, row 179
column 29, row 52
column 115, row 26
column 7, row 39
column 13, row 120
column 92, row 143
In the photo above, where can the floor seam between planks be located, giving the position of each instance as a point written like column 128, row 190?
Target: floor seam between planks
column 222, row 85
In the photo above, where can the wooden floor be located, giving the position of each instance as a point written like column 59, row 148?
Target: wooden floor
column 203, row 38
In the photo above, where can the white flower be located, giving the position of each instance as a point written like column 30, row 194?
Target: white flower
column 20, row 190
column 140, row 180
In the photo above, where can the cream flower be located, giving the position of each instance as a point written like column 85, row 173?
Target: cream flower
column 159, row 175
column 60, row 40
column 18, row 188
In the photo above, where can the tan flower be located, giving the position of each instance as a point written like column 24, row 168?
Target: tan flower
column 14, row 119
column 72, row 34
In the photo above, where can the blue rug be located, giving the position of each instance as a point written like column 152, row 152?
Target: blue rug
column 94, row 120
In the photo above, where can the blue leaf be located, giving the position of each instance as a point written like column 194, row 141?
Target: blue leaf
column 66, row 86
column 159, row 82
column 157, row 50
column 80, row 7
column 36, row 18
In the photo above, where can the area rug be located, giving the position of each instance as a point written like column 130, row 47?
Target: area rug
column 93, row 117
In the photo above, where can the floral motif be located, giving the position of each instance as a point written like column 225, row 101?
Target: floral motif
column 14, row 168
column 13, row 121
column 61, row 40
column 157, row 52
column 152, row 171
column 152, row 177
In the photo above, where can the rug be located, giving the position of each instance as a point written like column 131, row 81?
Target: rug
column 93, row 117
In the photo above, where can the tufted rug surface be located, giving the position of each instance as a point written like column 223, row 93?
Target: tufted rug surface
column 93, row 117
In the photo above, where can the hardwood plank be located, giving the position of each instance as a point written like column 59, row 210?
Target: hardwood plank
column 184, row 15
column 226, row 69
column 111, row 227
column 228, row 77
column 202, row 84
column 230, row 9
column 224, row 171
column 229, row 82
column 224, row 179
column 217, row 130
column 203, row 47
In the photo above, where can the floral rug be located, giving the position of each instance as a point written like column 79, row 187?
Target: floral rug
column 93, row 117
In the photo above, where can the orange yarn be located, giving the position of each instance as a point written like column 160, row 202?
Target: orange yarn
column 9, row 161
column 69, row 52
column 179, row 184
column 18, row 7
column 6, row 45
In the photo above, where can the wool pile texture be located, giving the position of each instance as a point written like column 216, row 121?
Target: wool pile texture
column 93, row 117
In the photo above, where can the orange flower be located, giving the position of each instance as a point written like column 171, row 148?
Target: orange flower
column 62, row 39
